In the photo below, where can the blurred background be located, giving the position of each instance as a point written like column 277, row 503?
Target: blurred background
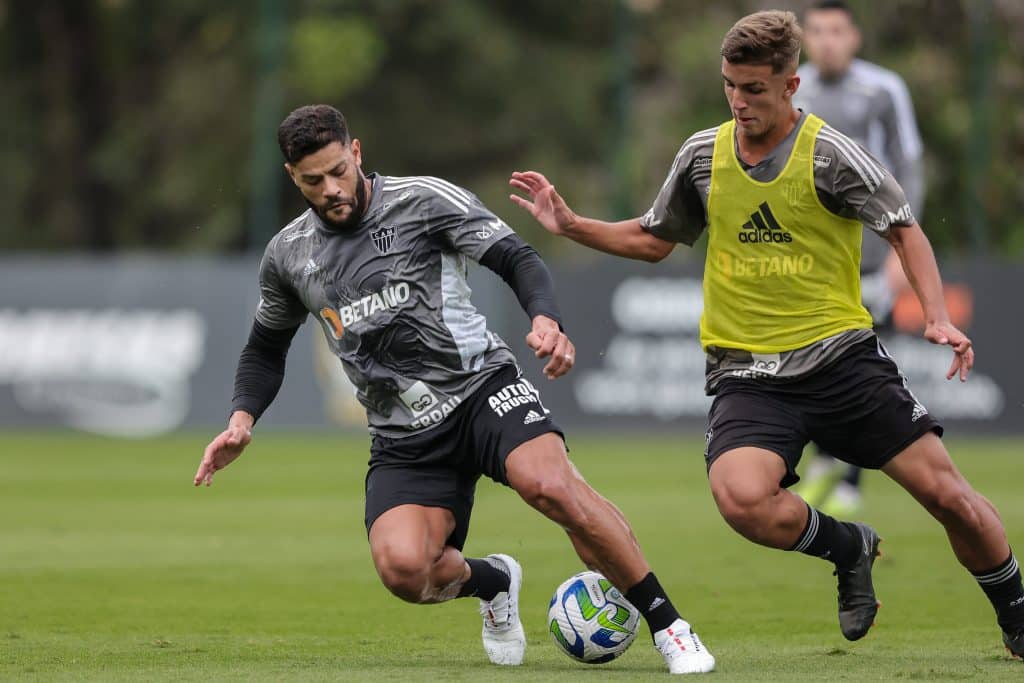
column 142, row 180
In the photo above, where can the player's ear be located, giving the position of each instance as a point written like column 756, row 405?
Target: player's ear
column 792, row 85
column 291, row 173
column 357, row 153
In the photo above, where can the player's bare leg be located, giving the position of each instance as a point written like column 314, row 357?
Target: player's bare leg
column 540, row 471
column 745, row 483
column 408, row 545
column 975, row 531
column 973, row 526
column 409, row 552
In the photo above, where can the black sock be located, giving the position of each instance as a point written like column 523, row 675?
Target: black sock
column 649, row 597
column 1003, row 587
column 486, row 579
column 852, row 476
column 829, row 539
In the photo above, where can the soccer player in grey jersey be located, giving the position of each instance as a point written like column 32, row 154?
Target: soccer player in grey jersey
column 872, row 106
column 380, row 263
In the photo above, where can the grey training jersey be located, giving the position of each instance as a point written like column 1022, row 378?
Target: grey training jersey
column 849, row 181
column 871, row 105
column 392, row 299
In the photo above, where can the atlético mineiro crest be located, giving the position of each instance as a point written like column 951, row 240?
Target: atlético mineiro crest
column 383, row 237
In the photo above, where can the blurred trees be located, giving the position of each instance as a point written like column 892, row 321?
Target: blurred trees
column 136, row 124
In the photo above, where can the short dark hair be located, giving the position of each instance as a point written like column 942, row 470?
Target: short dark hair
column 311, row 128
column 770, row 37
column 830, row 4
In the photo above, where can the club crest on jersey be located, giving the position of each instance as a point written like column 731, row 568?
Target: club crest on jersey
column 383, row 237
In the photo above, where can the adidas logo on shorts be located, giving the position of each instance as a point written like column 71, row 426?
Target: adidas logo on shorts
column 533, row 416
column 919, row 412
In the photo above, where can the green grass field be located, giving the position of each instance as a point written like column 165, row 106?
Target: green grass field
column 113, row 567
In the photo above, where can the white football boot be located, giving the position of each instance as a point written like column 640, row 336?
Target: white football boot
column 504, row 640
column 682, row 650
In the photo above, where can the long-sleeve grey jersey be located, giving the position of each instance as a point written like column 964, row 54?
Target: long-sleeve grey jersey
column 871, row 105
column 392, row 299
column 849, row 182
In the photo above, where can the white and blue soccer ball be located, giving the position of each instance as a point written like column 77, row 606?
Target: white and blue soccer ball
column 590, row 620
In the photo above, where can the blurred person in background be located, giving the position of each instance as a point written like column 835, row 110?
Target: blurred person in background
column 872, row 106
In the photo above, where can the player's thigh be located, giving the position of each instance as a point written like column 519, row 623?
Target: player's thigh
column 540, row 464
column 418, row 508
column 744, row 477
column 754, row 439
column 414, row 530
column 926, row 471
column 506, row 419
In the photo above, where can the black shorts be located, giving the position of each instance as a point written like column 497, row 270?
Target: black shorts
column 440, row 467
column 858, row 409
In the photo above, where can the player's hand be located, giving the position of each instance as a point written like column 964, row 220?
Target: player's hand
column 222, row 451
column 544, row 204
column 546, row 339
column 963, row 352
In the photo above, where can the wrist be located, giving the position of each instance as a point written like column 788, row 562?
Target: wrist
column 572, row 227
column 242, row 419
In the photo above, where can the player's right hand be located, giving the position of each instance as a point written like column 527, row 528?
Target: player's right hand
column 545, row 205
column 222, row 451
column 963, row 350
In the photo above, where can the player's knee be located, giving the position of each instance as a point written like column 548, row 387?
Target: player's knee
column 554, row 496
column 404, row 572
column 740, row 503
column 954, row 502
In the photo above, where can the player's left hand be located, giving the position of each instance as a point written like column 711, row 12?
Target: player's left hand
column 546, row 339
column 963, row 351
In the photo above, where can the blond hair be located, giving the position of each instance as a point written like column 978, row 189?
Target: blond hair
column 769, row 37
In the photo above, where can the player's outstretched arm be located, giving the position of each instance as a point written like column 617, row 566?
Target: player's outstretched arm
column 225, row 447
column 918, row 259
column 257, row 381
column 624, row 238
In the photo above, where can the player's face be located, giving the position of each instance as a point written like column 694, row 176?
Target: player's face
column 332, row 181
column 831, row 40
column 758, row 98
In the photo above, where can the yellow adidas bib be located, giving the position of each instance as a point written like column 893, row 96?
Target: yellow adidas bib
column 782, row 271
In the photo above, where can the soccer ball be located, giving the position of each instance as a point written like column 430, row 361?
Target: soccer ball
column 590, row 620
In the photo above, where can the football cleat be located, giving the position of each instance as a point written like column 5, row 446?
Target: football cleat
column 503, row 636
column 1014, row 644
column 857, row 603
column 682, row 650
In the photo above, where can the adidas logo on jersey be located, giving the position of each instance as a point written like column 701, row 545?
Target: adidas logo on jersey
column 762, row 227
column 533, row 416
column 311, row 267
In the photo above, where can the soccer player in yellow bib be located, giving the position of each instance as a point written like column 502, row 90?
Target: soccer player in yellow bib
column 791, row 354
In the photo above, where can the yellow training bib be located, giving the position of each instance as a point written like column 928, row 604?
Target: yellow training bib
column 782, row 271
